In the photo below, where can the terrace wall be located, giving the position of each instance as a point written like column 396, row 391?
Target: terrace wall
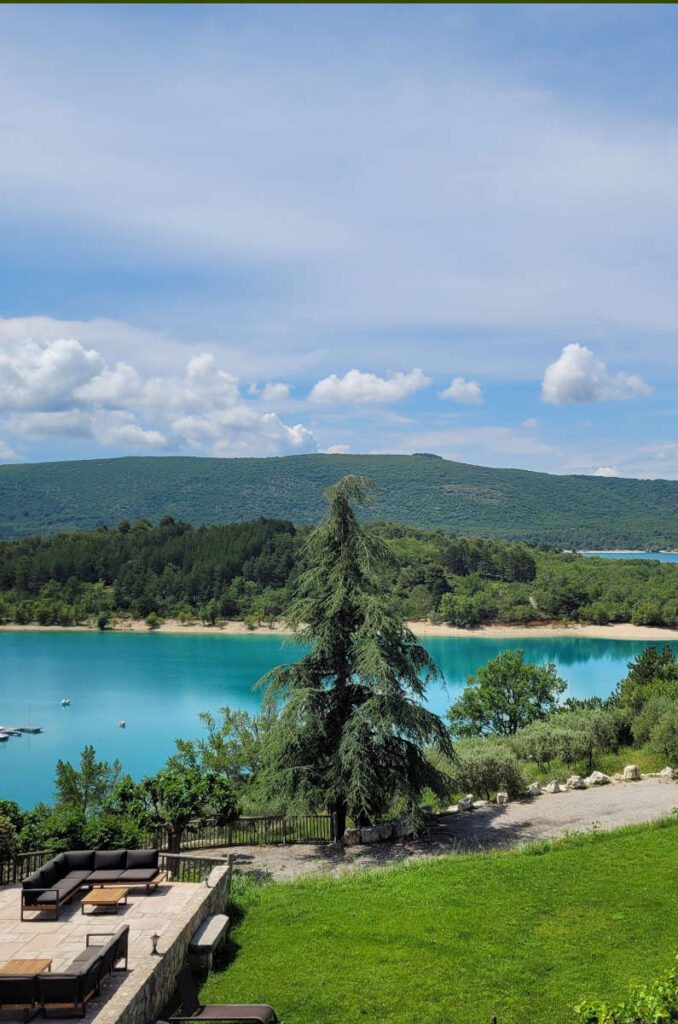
column 151, row 984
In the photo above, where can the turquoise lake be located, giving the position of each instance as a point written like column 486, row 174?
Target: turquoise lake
column 159, row 683
column 657, row 556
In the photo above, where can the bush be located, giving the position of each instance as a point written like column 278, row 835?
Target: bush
column 485, row 766
column 656, row 1003
column 570, row 736
column 112, row 832
column 102, row 620
column 153, row 620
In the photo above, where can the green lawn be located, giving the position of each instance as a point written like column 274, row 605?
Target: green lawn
column 522, row 935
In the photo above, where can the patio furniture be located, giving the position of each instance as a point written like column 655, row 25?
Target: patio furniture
column 18, row 996
column 112, row 898
column 57, row 882
column 69, row 991
column 19, row 966
column 192, row 1010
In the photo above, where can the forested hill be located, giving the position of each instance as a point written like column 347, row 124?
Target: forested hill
column 419, row 490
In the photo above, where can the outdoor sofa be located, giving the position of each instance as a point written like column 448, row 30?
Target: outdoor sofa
column 57, row 881
column 67, row 992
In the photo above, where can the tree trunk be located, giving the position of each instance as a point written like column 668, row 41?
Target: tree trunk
column 338, row 812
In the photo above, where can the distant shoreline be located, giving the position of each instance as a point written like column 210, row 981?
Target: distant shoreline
column 617, row 631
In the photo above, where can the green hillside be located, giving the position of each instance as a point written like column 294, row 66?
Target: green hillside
column 420, row 490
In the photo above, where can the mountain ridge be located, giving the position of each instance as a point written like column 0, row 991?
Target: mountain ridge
column 418, row 490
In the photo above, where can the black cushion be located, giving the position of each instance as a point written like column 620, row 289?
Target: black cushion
column 80, row 860
column 59, row 988
column 65, row 885
column 61, row 864
column 109, row 860
column 142, row 859
column 49, row 874
column 138, row 875
column 104, row 876
column 77, row 876
column 33, row 881
column 18, row 989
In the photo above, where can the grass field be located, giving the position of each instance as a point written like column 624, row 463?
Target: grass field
column 523, row 935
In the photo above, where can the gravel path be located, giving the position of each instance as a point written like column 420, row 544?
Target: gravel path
column 546, row 816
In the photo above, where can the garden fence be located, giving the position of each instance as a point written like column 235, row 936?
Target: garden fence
column 264, row 830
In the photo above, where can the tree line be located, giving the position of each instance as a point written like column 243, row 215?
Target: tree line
column 249, row 571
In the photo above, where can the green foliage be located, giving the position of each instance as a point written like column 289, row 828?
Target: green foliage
column 350, row 734
column 504, row 695
column 653, row 1003
column 657, row 725
column 484, row 767
column 63, row 829
column 8, row 837
column 653, row 673
column 572, row 511
column 153, row 620
column 177, row 795
column 569, row 736
column 87, row 788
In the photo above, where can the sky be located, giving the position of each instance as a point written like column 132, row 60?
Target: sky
column 253, row 230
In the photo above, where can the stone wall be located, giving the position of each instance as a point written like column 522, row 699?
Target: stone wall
column 151, row 983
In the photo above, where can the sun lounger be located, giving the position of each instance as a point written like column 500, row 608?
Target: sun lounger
column 192, row 1010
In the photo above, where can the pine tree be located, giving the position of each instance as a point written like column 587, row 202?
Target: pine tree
column 351, row 731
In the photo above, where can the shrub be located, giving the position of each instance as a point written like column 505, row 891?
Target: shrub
column 8, row 838
column 153, row 620
column 102, row 620
column 112, row 832
column 485, row 766
column 656, row 1003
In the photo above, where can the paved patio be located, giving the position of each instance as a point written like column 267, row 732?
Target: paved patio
column 61, row 940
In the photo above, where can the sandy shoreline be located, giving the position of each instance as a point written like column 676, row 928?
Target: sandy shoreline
column 618, row 631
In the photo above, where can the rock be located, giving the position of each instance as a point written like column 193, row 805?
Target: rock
column 502, row 799
column 632, row 773
column 575, row 782
column 597, row 779
column 351, row 837
column 398, row 828
column 552, row 787
column 466, row 803
column 371, row 834
column 534, row 789
column 385, row 829
column 477, row 804
column 667, row 773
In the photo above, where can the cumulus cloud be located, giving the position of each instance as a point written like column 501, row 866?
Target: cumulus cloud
column 7, row 453
column 57, row 388
column 468, row 392
column 606, row 471
column 275, row 392
column 337, row 449
column 356, row 386
column 578, row 376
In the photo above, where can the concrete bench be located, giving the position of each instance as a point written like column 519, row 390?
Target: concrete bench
column 205, row 940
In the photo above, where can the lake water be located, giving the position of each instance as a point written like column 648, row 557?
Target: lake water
column 159, row 683
column 657, row 556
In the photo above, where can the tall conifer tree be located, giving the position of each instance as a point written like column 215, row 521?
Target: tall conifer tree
column 351, row 732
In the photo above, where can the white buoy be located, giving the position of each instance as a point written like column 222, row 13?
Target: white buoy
column 122, row 723
column 65, row 702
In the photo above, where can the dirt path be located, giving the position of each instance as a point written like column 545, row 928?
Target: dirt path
column 546, row 816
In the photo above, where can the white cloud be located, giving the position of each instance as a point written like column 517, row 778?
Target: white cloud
column 44, row 376
column 111, row 387
column 65, row 423
column 606, row 471
column 530, row 423
column 468, row 392
column 242, row 430
column 275, row 392
column 337, row 449
column 487, row 441
column 7, row 453
column 121, row 428
column 578, row 376
column 356, row 386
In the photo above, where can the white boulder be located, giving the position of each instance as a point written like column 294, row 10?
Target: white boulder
column 597, row 779
column 370, row 834
column 534, row 789
column 631, row 773
column 351, row 837
column 502, row 799
column 552, row 787
column 466, row 803
column 667, row 773
column 575, row 782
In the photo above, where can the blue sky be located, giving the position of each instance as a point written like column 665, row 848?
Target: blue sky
column 262, row 230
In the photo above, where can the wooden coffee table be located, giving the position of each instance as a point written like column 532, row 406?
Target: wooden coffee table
column 26, row 966
column 100, row 897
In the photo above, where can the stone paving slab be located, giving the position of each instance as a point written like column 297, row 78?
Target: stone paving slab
column 61, row 940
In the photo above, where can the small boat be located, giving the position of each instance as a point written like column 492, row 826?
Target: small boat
column 66, row 702
column 122, row 723
column 30, row 728
column 4, row 736
column 10, row 731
